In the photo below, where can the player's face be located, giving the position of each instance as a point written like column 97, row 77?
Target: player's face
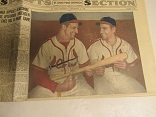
column 71, row 30
column 106, row 31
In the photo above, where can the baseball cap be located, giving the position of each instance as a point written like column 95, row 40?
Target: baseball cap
column 69, row 17
column 107, row 20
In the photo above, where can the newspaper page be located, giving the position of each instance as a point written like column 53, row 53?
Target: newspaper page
column 14, row 61
column 35, row 64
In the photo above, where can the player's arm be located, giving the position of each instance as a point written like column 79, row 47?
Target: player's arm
column 83, row 61
column 41, row 77
column 130, row 64
column 67, row 85
column 100, row 71
column 88, row 74
column 39, row 68
column 130, row 68
column 93, row 56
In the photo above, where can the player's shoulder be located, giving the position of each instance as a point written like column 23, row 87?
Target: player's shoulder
column 47, row 41
column 123, row 41
column 96, row 42
column 77, row 42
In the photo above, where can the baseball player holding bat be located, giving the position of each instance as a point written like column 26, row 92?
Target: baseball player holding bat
column 119, row 76
column 59, row 55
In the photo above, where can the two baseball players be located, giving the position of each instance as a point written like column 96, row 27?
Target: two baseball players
column 63, row 53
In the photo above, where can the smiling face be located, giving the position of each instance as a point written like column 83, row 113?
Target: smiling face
column 107, row 31
column 71, row 30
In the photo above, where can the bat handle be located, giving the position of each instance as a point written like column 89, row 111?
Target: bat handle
column 58, row 94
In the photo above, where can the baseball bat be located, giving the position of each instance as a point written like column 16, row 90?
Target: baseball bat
column 104, row 62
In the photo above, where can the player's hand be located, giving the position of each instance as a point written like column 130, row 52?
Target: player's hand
column 67, row 85
column 121, row 64
column 99, row 71
column 89, row 72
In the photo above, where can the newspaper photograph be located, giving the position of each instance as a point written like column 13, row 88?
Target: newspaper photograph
column 57, row 49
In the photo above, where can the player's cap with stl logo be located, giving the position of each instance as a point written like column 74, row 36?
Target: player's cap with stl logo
column 69, row 17
column 107, row 20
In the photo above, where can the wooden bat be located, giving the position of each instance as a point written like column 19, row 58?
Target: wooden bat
column 104, row 62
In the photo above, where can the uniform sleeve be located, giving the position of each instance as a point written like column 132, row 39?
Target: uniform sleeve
column 82, row 53
column 39, row 68
column 83, row 60
column 132, row 56
column 41, row 78
column 92, row 54
column 42, row 59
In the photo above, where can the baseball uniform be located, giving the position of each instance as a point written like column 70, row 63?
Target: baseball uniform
column 114, row 80
column 58, row 60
